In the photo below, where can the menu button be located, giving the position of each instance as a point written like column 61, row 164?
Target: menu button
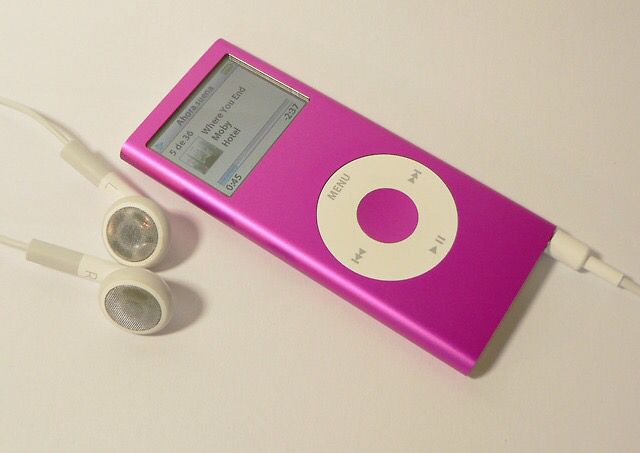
column 338, row 186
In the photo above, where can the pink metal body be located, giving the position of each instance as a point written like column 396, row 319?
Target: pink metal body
column 452, row 310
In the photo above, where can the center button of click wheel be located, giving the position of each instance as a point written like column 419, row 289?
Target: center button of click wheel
column 387, row 215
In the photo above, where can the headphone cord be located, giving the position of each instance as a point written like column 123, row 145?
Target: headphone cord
column 5, row 240
column 56, row 130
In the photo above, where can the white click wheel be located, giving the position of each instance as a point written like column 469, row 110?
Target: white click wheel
column 387, row 217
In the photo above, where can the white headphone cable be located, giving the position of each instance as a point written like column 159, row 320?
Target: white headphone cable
column 630, row 285
column 5, row 240
column 50, row 125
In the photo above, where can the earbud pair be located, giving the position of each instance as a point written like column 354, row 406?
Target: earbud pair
column 135, row 232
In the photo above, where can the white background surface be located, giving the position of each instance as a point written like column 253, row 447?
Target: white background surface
column 537, row 99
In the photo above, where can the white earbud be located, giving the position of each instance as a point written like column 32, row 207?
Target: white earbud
column 135, row 229
column 136, row 300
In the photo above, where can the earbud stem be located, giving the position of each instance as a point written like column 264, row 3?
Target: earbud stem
column 69, row 261
column 96, row 169
column 54, row 257
column 115, row 186
column 93, row 268
column 90, row 165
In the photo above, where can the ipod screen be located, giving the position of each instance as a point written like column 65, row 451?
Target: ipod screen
column 227, row 124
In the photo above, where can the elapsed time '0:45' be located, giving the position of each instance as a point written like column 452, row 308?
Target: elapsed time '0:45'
column 233, row 182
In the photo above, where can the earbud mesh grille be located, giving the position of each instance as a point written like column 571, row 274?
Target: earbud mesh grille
column 133, row 308
column 132, row 234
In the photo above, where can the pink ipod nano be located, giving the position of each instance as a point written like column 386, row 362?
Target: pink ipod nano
column 415, row 243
